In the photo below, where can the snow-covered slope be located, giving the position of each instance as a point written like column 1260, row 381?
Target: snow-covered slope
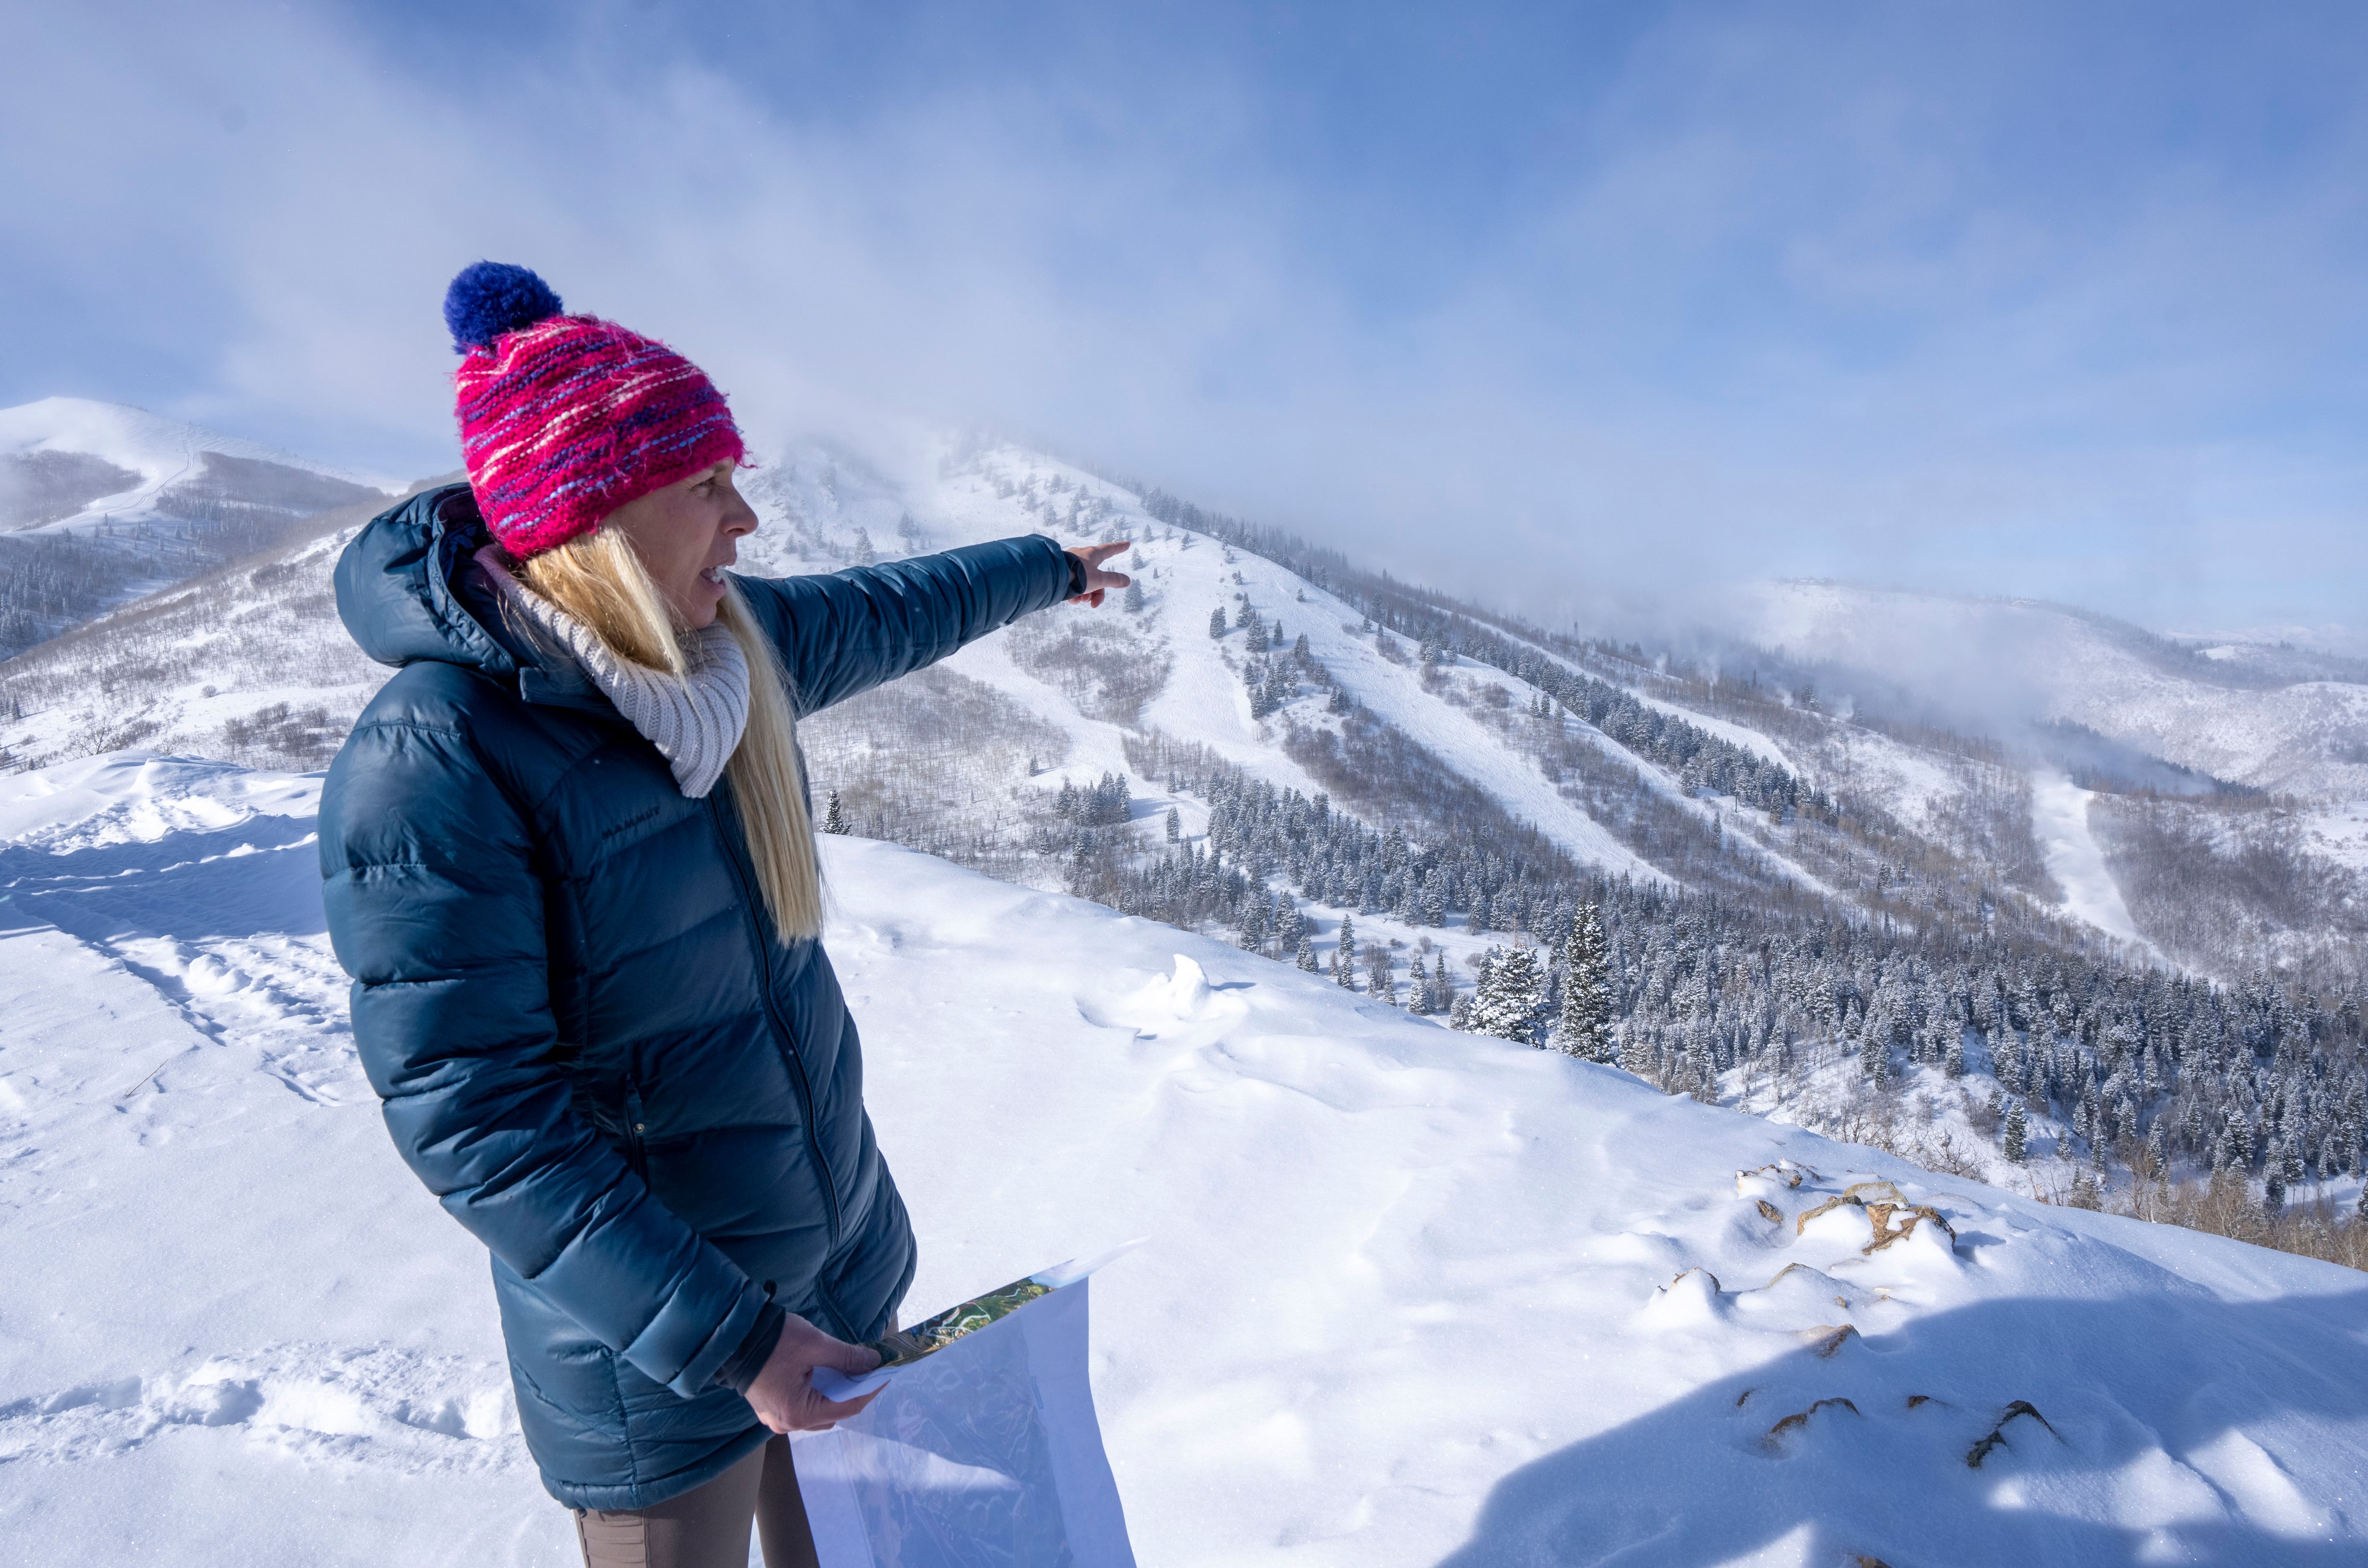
column 2297, row 725
column 1411, row 1297
column 251, row 665
column 100, row 503
column 157, row 452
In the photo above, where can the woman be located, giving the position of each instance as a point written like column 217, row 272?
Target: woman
column 569, row 864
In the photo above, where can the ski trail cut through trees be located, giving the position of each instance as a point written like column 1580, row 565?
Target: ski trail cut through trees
column 2059, row 818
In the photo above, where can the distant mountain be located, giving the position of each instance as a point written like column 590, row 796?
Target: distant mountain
column 2285, row 719
column 1818, row 905
column 99, row 502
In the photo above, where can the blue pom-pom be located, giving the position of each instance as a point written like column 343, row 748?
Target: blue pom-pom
column 491, row 298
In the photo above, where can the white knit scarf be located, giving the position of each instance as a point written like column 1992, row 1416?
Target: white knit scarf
column 695, row 720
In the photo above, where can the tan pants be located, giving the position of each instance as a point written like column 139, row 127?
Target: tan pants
column 707, row 1527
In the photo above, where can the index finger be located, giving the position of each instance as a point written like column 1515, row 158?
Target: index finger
column 1095, row 555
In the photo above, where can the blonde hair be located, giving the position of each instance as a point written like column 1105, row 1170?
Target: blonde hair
column 600, row 580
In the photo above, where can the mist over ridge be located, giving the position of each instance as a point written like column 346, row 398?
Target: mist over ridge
column 1684, row 298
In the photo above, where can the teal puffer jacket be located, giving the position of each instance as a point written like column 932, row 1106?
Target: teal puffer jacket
column 570, row 997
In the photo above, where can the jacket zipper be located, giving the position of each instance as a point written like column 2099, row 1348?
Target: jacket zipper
column 781, row 1037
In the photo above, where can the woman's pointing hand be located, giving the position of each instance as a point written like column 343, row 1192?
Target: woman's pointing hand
column 1098, row 581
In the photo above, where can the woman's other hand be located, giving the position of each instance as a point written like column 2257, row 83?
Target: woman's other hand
column 783, row 1394
column 1098, row 581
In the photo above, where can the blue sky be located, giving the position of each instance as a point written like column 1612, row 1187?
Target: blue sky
column 1578, row 305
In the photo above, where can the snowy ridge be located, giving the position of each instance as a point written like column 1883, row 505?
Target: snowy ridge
column 160, row 451
column 816, row 499
column 1411, row 1297
column 1989, row 661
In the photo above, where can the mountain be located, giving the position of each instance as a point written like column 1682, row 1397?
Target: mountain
column 1825, row 912
column 2267, row 715
column 99, row 502
column 1410, row 1296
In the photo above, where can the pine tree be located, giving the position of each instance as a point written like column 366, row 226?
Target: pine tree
column 1344, row 955
column 2016, row 1133
column 1217, row 622
column 2273, row 1191
column 1132, row 600
column 1956, row 1059
column 1380, row 971
column 1874, row 1050
column 1585, row 1029
column 1307, row 958
column 834, row 820
column 1175, row 825
column 1512, row 995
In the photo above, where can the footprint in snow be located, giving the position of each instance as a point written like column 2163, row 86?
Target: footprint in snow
column 380, row 1407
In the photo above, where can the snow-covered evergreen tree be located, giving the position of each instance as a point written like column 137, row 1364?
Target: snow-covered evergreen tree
column 1217, row 622
column 1175, row 825
column 1132, row 600
column 1512, row 995
column 834, row 820
column 2018, row 1133
column 1307, row 958
column 1584, row 1029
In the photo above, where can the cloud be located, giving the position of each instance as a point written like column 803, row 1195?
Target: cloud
column 1915, row 300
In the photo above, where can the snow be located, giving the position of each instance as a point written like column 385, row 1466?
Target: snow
column 820, row 494
column 1993, row 661
column 1409, row 1297
column 2059, row 820
column 158, row 450
column 2340, row 832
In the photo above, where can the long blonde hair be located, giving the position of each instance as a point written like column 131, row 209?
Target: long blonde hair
column 600, row 580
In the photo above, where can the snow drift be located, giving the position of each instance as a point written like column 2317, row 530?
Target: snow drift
column 1411, row 1296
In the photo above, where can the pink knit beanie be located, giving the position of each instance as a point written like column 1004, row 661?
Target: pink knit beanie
column 565, row 418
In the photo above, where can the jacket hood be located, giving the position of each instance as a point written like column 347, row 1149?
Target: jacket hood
column 408, row 587
column 409, row 590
